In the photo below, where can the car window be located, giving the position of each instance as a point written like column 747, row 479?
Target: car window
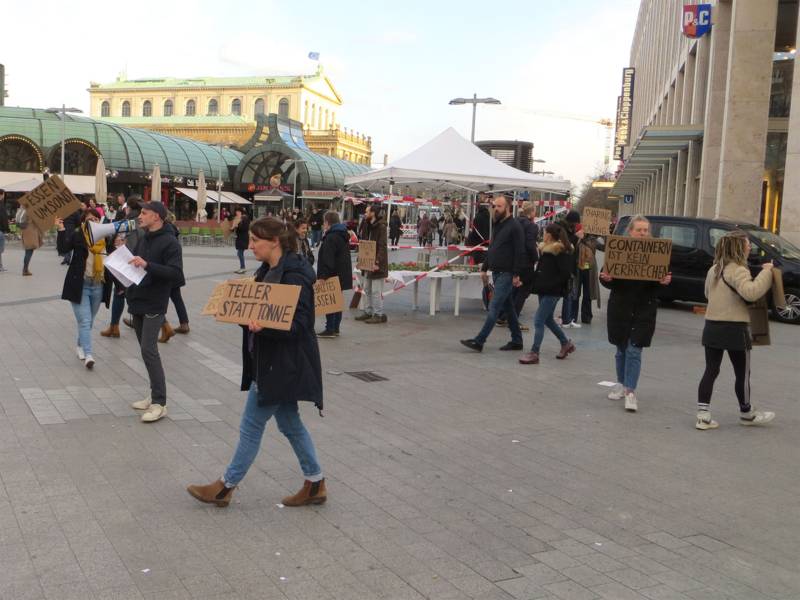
column 684, row 237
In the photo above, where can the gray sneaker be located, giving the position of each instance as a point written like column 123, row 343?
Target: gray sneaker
column 704, row 421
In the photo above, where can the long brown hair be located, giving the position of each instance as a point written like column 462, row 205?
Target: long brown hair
column 731, row 248
column 270, row 228
column 560, row 235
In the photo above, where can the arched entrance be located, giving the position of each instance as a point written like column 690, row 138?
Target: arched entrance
column 20, row 154
column 80, row 158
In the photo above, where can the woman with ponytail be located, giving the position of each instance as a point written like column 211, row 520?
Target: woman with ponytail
column 280, row 369
column 729, row 288
column 553, row 271
column 86, row 284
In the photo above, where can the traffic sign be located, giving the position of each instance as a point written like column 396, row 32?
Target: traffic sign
column 627, row 199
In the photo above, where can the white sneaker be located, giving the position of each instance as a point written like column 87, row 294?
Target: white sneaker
column 631, row 404
column 142, row 404
column 756, row 417
column 566, row 326
column 89, row 361
column 704, row 421
column 154, row 413
column 618, row 393
column 575, row 325
column 81, row 355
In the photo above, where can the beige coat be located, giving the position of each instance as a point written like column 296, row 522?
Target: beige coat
column 725, row 304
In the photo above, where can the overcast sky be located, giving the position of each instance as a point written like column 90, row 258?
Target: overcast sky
column 395, row 65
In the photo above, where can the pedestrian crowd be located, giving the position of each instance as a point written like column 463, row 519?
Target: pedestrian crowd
column 283, row 368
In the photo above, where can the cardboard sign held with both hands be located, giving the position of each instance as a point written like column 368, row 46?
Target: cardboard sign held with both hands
column 270, row 305
column 367, row 255
column 49, row 201
column 328, row 296
column 596, row 221
column 643, row 259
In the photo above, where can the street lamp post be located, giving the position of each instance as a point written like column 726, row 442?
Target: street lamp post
column 474, row 101
column 219, row 184
column 63, row 111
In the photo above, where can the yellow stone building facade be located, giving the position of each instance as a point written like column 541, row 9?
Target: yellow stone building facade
column 222, row 110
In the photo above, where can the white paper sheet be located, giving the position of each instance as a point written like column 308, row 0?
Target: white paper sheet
column 118, row 263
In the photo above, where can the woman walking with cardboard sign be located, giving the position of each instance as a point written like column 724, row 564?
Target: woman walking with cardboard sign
column 86, row 284
column 632, row 308
column 281, row 368
column 729, row 287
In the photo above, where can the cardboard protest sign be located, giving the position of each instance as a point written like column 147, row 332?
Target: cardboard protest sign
column 778, row 296
column 270, row 305
column 328, row 296
column 48, row 201
column 367, row 253
column 645, row 259
column 212, row 306
column 596, row 220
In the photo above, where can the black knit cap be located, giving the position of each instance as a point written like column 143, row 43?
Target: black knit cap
column 573, row 216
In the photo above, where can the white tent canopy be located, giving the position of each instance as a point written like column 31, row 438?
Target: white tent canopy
column 450, row 159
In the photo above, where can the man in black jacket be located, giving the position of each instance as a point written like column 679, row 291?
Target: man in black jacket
column 334, row 261
column 530, row 232
column 159, row 253
column 506, row 259
column 4, row 228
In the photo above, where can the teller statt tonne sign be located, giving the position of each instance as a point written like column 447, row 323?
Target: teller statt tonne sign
column 270, row 305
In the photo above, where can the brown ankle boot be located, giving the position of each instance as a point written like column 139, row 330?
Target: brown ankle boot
column 312, row 493
column 566, row 350
column 213, row 493
column 166, row 332
column 182, row 328
column 112, row 331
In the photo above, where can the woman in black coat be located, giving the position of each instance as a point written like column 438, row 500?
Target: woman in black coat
column 86, row 284
column 334, row 261
column 631, row 318
column 242, row 237
column 280, row 369
column 552, row 273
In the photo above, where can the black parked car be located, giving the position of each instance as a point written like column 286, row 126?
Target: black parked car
column 693, row 242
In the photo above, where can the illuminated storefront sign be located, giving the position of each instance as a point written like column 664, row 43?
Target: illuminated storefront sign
column 696, row 20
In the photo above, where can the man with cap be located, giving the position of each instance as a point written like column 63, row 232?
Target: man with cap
column 159, row 253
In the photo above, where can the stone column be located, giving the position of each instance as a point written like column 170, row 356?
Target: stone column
column 744, row 129
column 714, row 102
column 692, row 187
column 790, row 211
column 680, row 183
column 669, row 197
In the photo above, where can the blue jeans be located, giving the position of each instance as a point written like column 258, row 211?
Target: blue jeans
column 316, row 236
column 240, row 254
column 544, row 317
column 251, row 430
column 85, row 312
column 502, row 301
column 333, row 321
column 569, row 307
column 629, row 365
column 26, row 260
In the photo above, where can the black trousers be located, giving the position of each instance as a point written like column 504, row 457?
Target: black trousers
column 147, row 329
column 740, row 359
column 180, row 306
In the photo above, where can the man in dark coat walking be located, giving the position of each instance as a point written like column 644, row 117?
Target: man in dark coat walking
column 334, row 261
column 159, row 253
column 506, row 260
column 530, row 231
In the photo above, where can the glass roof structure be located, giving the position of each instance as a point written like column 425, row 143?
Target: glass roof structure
column 278, row 146
column 122, row 148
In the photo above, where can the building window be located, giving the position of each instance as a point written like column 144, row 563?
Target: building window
column 126, row 109
column 168, row 108
column 305, row 113
column 313, row 116
column 259, row 108
column 147, row 109
column 105, row 109
column 283, row 108
column 236, row 107
column 190, row 108
column 213, row 108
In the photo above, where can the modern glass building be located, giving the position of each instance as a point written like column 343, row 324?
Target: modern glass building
column 705, row 124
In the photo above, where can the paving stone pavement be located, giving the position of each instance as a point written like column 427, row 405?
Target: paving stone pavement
column 462, row 476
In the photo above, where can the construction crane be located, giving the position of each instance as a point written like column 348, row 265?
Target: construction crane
column 607, row 123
